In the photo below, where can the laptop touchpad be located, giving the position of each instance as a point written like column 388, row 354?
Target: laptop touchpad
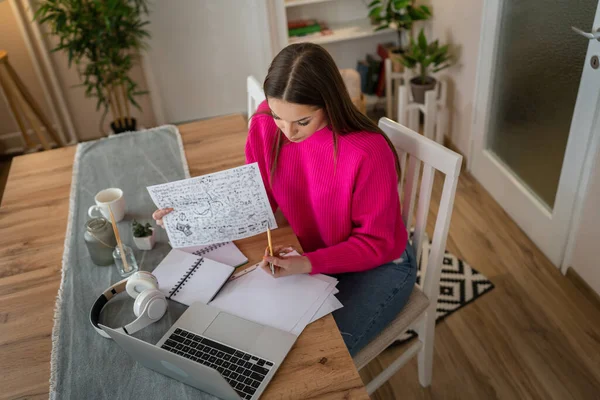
column 234, row 331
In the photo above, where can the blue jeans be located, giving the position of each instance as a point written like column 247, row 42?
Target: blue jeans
column 373, row 298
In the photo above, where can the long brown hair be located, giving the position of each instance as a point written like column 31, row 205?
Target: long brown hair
column 305, row 73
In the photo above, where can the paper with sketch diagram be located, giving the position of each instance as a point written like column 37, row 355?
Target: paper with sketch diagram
column 215, row 208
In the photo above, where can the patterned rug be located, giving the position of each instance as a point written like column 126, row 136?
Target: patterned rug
column 460, row 284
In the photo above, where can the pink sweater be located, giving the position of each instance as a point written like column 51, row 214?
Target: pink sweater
column 346, row 216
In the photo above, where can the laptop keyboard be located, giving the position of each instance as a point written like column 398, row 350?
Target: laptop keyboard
column 243, row 371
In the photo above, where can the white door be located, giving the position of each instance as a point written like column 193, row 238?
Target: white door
column 536, row 112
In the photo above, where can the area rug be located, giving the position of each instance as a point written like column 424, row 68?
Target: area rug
column 460, row 284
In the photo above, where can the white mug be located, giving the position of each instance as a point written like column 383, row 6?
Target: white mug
column 112, row 197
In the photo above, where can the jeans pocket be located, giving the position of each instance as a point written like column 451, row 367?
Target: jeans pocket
column 405, row 266
column 404, row 257
column 402, row 273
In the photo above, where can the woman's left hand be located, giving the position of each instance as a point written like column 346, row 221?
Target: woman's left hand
column 285, row 266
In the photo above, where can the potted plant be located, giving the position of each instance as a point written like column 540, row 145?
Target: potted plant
column 430, row 58
column 143, row 235
column 103, row 40
column 400, row 14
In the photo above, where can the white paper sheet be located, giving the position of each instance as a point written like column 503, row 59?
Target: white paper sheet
column 277, row 302
column 329, row 306
column 326, row 278
column 324, row 305
column 215, row 208
column 308, row 315
column 331, row 303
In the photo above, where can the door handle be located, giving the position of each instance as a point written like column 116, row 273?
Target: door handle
column 589, row 35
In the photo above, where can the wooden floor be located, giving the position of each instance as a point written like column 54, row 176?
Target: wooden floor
column 4, row 169
column 535, row 336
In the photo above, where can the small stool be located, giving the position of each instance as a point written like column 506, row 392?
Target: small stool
column 435, row 109
column 24, row 107
column 392, row 80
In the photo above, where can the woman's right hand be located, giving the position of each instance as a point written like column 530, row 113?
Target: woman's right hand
column 159, row 214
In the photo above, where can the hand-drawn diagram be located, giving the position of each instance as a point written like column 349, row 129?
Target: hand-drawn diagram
column 220, row 207
column 185, row 228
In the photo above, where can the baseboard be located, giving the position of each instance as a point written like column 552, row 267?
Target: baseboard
column 449, row 144
column 12, row 142
column 583, row 286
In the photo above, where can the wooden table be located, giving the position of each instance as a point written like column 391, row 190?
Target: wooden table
column 33, row 218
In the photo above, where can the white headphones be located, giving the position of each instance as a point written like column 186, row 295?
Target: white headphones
column 149, row 306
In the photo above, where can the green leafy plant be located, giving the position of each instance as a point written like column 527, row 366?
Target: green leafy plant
column 103, row 39
column 429, row 57
column 140, row 230
column 401, row 13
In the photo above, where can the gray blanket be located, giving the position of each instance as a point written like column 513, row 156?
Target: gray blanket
column 85, row 365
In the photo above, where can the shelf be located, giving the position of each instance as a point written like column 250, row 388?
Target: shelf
column 343, row 31
column 294, row 3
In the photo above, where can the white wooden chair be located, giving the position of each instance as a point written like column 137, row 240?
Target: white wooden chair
column 255, row 95
column 419, row 313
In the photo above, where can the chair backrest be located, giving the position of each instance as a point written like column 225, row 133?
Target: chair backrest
column 414, row 150
column 255, row 95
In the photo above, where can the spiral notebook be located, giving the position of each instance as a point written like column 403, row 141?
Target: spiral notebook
column 226, row 253
column 187, row 278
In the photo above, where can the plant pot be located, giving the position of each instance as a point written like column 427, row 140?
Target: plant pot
column 146, row 242
column 127, row 124
column 418, row 89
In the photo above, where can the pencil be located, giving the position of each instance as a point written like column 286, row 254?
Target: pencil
column 118, row 237
column 270, row 249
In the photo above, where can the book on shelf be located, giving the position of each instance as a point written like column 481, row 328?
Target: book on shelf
column 305, row 30
column 383, row 50
column 374, row 71
column 300, row 23
column 363, row 70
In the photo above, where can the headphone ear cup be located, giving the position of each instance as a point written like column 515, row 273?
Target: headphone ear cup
column 156, row 302
column 139, row 282
column 140, row 302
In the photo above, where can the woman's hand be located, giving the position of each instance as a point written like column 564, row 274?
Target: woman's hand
column 283, row 265
column 159, row 214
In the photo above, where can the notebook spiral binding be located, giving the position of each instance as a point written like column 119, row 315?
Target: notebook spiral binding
column 208, row 249
column 181, row 282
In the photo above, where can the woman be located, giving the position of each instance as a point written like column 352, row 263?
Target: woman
column 333, row 173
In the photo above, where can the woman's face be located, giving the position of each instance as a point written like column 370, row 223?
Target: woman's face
column 297, row 121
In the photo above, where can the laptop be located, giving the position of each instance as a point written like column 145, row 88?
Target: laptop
column 219, row 353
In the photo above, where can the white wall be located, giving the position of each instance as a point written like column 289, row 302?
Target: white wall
column 201, row 53
column 585, row 255
column 460, row 26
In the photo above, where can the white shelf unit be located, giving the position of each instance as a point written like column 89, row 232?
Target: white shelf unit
column 295, row 3
column 352, row 37
column 348, row 30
